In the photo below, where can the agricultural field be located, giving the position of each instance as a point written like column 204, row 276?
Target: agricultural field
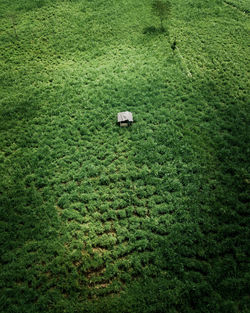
column 153, row 218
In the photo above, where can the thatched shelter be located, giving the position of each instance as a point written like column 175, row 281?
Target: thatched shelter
column 125, row 118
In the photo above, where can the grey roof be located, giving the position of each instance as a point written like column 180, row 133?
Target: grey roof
column 125, row 116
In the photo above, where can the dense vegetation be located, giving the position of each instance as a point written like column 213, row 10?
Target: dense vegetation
column 97, row 218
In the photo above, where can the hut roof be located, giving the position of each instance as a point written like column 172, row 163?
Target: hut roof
column 125, row 116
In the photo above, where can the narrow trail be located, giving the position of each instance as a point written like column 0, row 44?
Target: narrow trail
column 236, row 7
column 189, row 74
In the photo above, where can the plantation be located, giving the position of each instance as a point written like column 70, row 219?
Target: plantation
column 151, row 218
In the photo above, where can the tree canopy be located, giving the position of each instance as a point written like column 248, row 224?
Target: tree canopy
column 162, row 9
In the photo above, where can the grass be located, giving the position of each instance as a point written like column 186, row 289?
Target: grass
column 97, row 218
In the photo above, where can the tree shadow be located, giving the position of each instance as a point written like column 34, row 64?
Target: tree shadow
column 152, row 30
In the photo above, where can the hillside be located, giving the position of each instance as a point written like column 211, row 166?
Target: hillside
column 150, row 218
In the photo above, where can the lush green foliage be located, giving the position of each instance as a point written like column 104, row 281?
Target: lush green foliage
column 162, row 9
column 97, row 218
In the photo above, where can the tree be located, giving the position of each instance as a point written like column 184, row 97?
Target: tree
column 162, row 9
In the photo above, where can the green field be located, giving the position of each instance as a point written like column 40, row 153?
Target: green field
column 153, row 218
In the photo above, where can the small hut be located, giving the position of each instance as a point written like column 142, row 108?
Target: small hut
column 125, row 118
